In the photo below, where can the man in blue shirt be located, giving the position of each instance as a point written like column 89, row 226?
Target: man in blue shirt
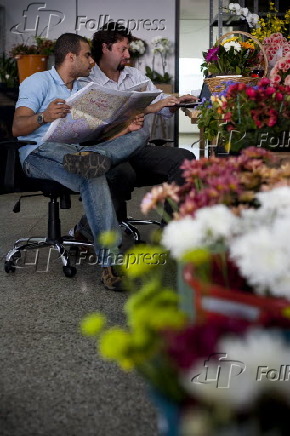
column 42, row 99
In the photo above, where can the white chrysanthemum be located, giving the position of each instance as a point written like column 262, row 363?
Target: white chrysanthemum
column 276, row 198
column 259, row 258
column 281, row 232
column 181, row 236
column 252, row 218
column 217, row 222
column 281, row 287
column 229, row 45
column 241, row 368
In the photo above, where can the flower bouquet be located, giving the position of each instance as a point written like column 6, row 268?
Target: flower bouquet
column 245, row 115
column 217, row 377
column 231, row 56
column 281, row 71
column 276, row 46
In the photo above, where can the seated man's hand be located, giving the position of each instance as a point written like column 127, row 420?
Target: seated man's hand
column 136, row 123
column 160, row 104
column 187, row 98
column 56, row 109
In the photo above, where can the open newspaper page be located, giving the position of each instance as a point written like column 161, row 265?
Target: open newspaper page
column 99, row 113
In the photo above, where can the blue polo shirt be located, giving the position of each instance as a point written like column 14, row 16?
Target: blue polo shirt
column 36, row 92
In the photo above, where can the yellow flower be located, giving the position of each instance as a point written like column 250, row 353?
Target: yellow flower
column 114, row 344
column 126, row 364
column 167, row 319
column 92, row 324
column 197, row 257
column 234, row 38
column 108, row 238
column 286, row 312
column 142, row 259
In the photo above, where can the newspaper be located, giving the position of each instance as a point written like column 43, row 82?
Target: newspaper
column 99, row 113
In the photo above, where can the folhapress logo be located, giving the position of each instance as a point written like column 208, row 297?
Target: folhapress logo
column 38, row 20
column 219, row 370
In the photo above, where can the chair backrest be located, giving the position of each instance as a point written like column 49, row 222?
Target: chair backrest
column 13, row 178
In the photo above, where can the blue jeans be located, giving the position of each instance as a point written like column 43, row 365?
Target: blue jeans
column 46, row 163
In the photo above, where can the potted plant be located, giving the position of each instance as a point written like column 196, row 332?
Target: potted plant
column 8, row 72
column 32, row 57
column 161, row 48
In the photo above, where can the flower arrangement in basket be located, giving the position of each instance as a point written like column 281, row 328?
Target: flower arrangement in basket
column 235, row 57
column 243, row 115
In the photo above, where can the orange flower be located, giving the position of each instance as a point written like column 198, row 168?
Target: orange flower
column 247, row 45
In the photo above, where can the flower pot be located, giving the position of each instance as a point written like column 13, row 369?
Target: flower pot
column 30, row 64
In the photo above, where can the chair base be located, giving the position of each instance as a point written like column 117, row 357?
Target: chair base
column 129, row 225
column 36, row 243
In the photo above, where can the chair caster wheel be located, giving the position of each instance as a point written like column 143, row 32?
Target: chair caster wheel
column 9, row 266
column 69, row 271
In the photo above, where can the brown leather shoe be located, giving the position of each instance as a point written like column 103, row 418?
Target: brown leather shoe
column 111, row 280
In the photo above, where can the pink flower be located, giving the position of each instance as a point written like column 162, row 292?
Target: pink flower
column 287, row 80
column 251, row 93
column 212, row 54
column 263, row 82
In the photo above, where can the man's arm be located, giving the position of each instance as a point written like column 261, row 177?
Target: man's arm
column 25, row 120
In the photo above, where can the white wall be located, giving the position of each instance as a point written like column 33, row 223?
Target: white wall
column 51, row 18
column 194, row 39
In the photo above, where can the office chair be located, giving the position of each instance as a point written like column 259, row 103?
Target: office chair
column 15, row 180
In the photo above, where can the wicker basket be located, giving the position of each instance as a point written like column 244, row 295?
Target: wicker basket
column 218, row 83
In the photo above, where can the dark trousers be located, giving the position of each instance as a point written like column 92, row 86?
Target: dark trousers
column 148, row 166
column 154, row 165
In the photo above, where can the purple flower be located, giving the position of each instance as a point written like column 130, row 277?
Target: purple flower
column 212, row 54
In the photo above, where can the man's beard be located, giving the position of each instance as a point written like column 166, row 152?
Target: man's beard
column 120, row 67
